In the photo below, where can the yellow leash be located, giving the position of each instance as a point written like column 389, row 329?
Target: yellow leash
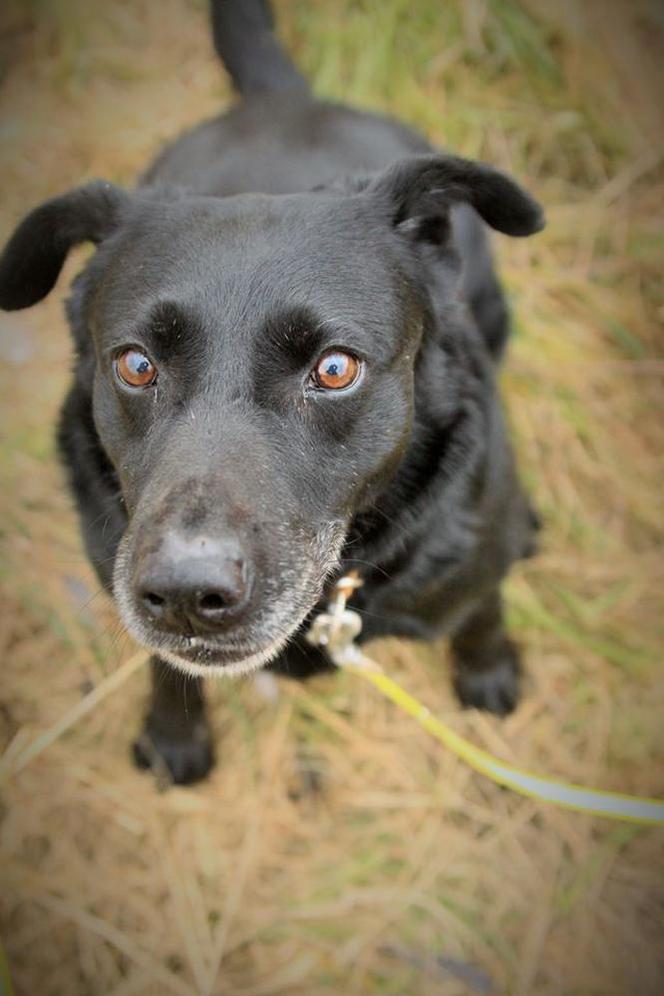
column 336, row 631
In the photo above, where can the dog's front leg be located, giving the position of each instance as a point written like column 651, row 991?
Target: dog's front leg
column 175, row 742
column 486, row 662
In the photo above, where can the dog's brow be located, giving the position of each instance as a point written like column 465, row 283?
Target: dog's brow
column 166, row 322
column 297, row 330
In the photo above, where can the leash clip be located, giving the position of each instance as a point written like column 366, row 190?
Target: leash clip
column 337, row 629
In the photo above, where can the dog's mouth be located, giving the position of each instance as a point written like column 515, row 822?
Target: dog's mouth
column 288, row 601
column 198, row 656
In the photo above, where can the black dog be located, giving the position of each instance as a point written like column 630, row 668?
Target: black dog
column 286, row 350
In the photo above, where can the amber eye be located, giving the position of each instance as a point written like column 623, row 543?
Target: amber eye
column 335, row 371
column 135, row 369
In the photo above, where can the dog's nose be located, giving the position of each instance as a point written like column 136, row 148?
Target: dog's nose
column 200, row 584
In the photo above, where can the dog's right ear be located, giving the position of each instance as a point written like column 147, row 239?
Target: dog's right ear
column 35, row 254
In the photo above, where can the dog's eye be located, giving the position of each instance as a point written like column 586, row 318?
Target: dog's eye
column 335, row 371
column 135, row 369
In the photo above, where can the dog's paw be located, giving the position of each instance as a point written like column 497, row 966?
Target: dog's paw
column 494, row 688
column 178, row 761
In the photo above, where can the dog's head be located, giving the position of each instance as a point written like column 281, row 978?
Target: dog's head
column 250, row 362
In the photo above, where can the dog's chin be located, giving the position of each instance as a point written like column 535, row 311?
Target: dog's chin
column 207, row 661
column 199, row 657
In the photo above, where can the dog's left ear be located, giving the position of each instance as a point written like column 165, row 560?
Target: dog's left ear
column 419, row 191
column 35, row 254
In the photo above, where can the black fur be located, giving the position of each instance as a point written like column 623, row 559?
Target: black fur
column 245, row 43
column 254, row 244
column 36, row 252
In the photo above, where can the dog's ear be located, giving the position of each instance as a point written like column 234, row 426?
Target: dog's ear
column 420, row 190
column 34, row 255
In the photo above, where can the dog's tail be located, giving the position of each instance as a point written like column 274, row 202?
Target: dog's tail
column 244, row 38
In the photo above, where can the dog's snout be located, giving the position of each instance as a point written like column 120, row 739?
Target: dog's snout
column 194, row 585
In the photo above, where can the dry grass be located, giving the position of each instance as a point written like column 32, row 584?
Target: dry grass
column 407, row 874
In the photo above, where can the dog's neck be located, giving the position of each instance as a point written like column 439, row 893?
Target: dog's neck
column 445, row 463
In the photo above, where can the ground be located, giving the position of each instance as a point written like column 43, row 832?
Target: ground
column 406, row 872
